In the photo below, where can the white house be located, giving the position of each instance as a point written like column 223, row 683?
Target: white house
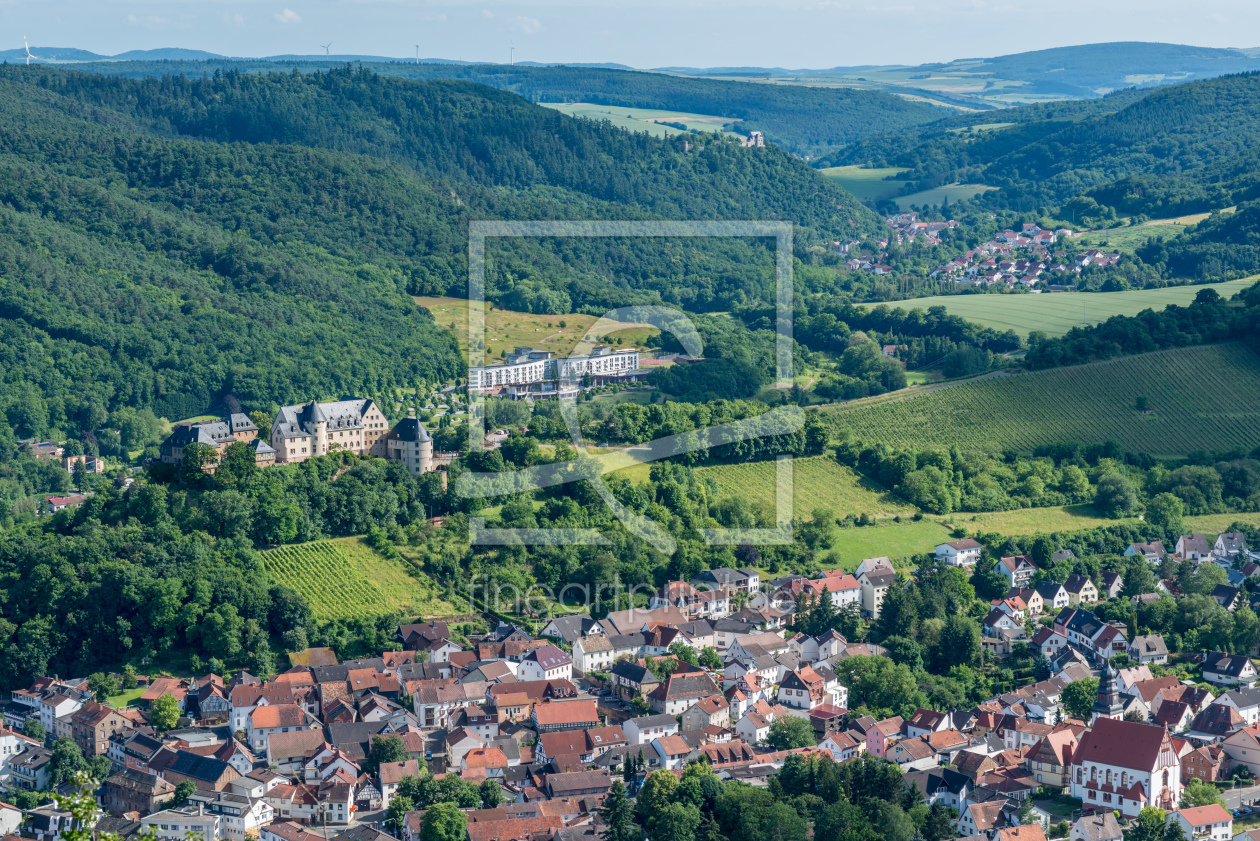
column 1205, row 823
column 1017, row 569
column 592, row 653
column 1228, row 669
column 545, row 663
column 642, row 730
column 959, row 553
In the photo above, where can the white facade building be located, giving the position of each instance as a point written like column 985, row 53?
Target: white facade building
column 527, row 366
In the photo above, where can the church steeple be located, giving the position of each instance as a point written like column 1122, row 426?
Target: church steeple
column 1108, row 704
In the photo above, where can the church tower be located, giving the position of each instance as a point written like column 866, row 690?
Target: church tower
column 1108, row 704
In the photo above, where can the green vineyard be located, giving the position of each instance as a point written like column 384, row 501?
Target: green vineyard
column 1200, row 398
column 346, row 578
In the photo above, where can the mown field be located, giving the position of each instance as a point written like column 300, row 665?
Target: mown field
column 506, row 329
column 345, row 578
column 641, row 119
column 863, row 182
column 1056, row 314
column 817, row 482
column 1202, row 397
column 938, row 195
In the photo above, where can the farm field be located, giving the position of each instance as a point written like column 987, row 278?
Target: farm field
column 1089, row 404
column 506, row 329
column 938, row 195
column 641, row 119
column 817, row 482
column 345, row 578
column 1056, row 314
column 863, row 182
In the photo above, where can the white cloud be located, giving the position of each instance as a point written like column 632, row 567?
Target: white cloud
column 288, row 16
column 486, row 13
column 132, row 19
column 527, row 25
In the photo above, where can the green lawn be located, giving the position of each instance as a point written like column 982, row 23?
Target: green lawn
column 1056, row 314
column 817, row 482
column 896, row 540
column 127, row 697
column 863, row 182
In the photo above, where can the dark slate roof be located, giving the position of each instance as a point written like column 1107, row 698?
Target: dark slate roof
column 410, row 429
column 633, row 672
column 198, row 767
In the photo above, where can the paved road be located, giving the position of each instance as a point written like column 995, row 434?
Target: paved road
column 1240, row 796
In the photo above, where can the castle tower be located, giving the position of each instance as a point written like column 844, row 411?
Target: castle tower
column 319, row 424
column 1108, row 704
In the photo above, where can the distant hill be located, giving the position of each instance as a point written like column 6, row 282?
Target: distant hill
column 1074, row 72
column 803, row 120
column 1092, row 69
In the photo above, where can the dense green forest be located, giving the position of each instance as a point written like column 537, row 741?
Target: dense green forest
column 167, row 241
column 804, row 120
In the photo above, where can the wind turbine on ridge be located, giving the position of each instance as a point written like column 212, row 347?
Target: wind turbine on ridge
column 29, row 56
column 326, row 46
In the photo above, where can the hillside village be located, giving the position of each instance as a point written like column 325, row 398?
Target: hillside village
column 530, row 732
column 1010, row 259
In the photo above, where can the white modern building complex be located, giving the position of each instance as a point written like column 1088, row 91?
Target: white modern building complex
column 528, row 372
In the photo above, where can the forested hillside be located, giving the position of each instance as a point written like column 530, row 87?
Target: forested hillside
column 1173, row 151
column 167, row 241
column 804, row 120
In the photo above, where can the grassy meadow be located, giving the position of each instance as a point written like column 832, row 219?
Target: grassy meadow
column 938, row 195
column 864, row 182
column 817, row 482
column 506, row 329
column 1128, row 238
column 1199, row 394
column 345, row 578
column 641, row 119
column 1056, row 314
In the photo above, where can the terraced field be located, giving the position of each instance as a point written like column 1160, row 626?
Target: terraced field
column 346, row 578
column 1202, row 397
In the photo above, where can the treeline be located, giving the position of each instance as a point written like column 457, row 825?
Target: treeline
column 804, row 120
column 1119, row 484
column 1209, row 318
column 1223, row 245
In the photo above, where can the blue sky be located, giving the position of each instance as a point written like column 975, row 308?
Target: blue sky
column 641, row 33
